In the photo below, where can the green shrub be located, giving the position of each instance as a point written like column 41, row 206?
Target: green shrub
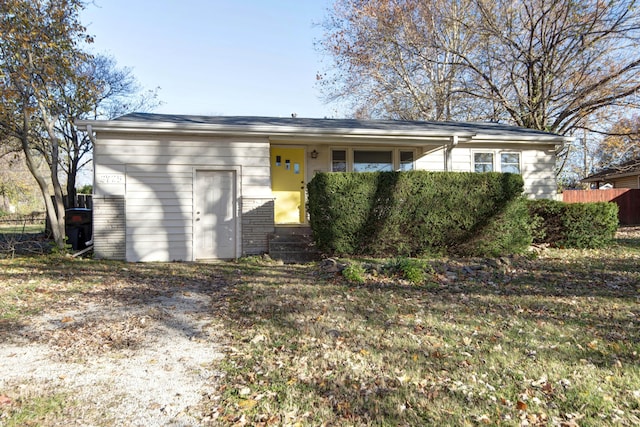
column 354, row 273
column 407, row 213
column 412, row 269
column 511, row 231
column 574, row 225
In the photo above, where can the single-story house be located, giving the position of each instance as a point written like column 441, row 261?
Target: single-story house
column 190, row 188
column 624, row 175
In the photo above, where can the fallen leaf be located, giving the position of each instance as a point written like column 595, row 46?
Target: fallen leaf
column 258, row 338
column 484, row 419
column 521, row 405
column 247, row 404
column 5, row 400
column 67, row 319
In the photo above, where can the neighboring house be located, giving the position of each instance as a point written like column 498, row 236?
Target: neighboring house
column 170, row 187
column 625, row 175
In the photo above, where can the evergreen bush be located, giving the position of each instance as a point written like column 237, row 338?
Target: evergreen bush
column 574, row 225
column 413, row 213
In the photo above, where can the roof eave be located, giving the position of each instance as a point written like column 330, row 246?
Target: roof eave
column 610, row 176
column 273, row 132
column 310, row 133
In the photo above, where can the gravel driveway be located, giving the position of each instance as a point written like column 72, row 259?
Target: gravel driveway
column 140, row 360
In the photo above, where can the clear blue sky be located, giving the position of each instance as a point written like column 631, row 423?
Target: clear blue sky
column 243, row 57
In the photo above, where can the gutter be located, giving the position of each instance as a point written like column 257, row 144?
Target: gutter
column 284, row 133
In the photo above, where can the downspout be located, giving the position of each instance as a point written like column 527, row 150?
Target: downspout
column 448, row 163
column 93, row 187
column 93, row 140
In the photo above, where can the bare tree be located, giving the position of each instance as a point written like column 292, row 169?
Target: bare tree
column 100, row 91
column 622, row 142
column 39, row 47
column 552, row 65
column 395, row 58
column 541, row 64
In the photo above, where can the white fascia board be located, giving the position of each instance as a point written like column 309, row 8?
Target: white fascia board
column 521, row 139
column 273, row 132
column 283, row 133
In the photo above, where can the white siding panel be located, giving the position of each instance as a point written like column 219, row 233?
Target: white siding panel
column 159, row 206
column 159, row 251
column 433, row 161
column 151, row 187
column 182, row 150
column 144, row 232
column 151, row 204
column 153, row 219
column 538, row 172
column 210, row 159
column 461, row 159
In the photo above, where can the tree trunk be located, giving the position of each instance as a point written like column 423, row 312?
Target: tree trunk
column 55, row 211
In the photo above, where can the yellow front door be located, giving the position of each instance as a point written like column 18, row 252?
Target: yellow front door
column 287, row 184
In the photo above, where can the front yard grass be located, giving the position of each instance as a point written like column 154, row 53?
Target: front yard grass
column 547, row 341
column 550, row 341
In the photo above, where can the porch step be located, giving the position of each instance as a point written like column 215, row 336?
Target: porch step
column 292, row 247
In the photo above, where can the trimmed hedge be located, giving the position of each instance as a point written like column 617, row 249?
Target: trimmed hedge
column 418, row 212
column 574, row 225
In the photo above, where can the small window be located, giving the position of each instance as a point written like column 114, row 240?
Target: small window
column 406, row 160
column 372, row 161
column 483, row 162
column 338, row 161
column 510, row 162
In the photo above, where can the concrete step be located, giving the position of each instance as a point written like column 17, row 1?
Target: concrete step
column 293, row 248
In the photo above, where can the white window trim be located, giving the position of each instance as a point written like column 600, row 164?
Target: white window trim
column 497, row 160
column 395, row 155
column 519, row 153
column 348, row 160
column 473, row 159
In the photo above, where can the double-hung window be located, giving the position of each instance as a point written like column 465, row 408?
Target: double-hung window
column 510, row 162
column 485, row 161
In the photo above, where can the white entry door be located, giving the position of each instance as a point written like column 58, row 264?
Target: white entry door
column 214, row 215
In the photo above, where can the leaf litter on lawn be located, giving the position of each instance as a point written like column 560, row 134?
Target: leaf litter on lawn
column 546, row 341
column 516, row 341
column 128, row 344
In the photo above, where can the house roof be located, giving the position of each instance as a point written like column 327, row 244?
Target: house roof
column 629, row 168
column 307, row 127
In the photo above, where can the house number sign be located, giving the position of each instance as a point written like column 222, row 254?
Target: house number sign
column 110, row 178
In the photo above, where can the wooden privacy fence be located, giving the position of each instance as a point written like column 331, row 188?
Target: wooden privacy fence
column 82, row 201
column 628, row 201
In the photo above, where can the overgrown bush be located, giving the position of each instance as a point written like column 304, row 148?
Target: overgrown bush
column 573, row 225
column 413, row 213
column 511, row 231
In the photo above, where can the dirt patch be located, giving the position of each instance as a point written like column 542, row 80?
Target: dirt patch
column 139, row 361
